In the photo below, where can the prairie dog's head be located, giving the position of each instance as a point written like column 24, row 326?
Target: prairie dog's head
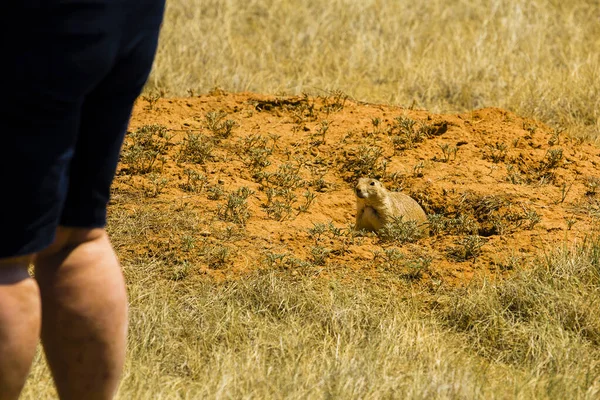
column 368, row 189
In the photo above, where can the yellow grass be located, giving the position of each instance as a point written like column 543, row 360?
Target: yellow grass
column 537, row 58
column 271, row 335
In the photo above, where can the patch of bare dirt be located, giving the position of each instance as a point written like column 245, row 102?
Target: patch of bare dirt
column 499, row 189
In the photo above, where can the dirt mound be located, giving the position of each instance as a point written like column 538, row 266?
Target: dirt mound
column 246, row 181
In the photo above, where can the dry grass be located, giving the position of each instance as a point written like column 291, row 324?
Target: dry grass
column 538, row 58
column 273, row 335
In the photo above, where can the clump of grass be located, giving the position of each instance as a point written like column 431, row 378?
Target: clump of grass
column 540, row 173
column 565, row 188
column 438, row 223
column 287, row 262
column 280, row 203
column 180, row 272
column 377, row 125
column 418, row 168
column 152, row 99
column 487, row 215
column 470, row 213
column 309, row 198
column 318, row 170
column 144, row 147
column 337, row 239
column 532, row 217
column 304, row 110
column 546, row 309
column 555, row 138
column 552, row 159
column 287, row 176
column 460, row 224
column 543, row 173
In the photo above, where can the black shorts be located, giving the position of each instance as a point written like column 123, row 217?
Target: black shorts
column 70, row 71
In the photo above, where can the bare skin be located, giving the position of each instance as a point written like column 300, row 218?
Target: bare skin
column 20, row 312
column 83, row 321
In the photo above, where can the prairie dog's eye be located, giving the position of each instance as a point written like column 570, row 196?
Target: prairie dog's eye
column 373, row 183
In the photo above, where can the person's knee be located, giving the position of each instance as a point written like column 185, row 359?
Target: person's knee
column 14, row 269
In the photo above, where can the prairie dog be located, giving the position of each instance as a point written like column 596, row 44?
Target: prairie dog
column 376, row 206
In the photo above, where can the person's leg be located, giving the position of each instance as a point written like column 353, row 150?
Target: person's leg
column 19, row 324
column 40, row 116
column 84, row 313
column 84, row 305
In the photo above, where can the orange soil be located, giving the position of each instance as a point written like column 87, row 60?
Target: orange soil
column 464, row 184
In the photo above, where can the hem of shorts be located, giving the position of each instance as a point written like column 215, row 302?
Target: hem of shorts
column 31, row 248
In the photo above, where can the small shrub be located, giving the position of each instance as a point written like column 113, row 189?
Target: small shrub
column 448, row 153
column 438, row 224
column 467, row 248
column 218, row 257
column 513, row 175
column 365, row 161
column 334, row 102
column 255, row 151
column 236, row 209
column 280, row 203
column 309, row 197
column 317, row 231
column 394, row 261
column 400, row 231
column 464, row 224
column 319, row 136
column 496, row 153
column 196, row 148
column 214, row 122
column 195, row 181
column 319, row 255
column 418, row 169
column 286, row 177
column 158, row 184
column 592, row 184
column 406, row 133
column 552, row 159
column 532, row 217
column 144, row 147
column 215, row 192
